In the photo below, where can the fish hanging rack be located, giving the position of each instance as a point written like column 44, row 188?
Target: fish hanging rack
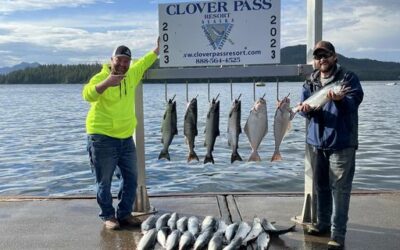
column 195, row 75
column 209, row 90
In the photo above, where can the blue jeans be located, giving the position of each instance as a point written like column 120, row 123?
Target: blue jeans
column 105, row 154
column 333, row 177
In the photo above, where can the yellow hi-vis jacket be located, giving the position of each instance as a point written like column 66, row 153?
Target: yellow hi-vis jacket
column 112, row 113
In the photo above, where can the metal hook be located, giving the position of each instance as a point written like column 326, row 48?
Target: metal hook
column 254, row 90
column 277, row 89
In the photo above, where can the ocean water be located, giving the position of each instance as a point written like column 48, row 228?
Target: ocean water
column 43, row 141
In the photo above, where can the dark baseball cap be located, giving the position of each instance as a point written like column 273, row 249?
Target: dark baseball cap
column 122, row 50
column 324, row 46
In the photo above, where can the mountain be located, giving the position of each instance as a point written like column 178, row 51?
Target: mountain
column 366, row 69
column 20, row 66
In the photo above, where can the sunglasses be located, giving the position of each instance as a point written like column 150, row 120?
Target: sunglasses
column 322, row 55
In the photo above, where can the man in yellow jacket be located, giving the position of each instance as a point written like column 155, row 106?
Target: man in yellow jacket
column 110, row 124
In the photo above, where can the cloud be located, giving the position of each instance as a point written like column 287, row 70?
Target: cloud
column 364, row 26
column 31, row 5
column 86, row 37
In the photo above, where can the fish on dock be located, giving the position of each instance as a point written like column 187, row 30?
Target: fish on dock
column 255, row 231
column 256, row 127
column 162, row 236
column 148, row 224
column 263, row 241
column 234, row 129
column 148, row 240
column 212, row 129
column 193, row 225
column 282, row 125
column 186, row 241
column 190, row 128
column 173, row 240
column 169, row 128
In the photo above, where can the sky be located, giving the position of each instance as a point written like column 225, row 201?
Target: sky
column 87, row 31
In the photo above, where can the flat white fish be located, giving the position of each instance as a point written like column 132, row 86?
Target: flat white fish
column 235, row 244
column 209, row 223
column 216, row 241
column 282, row 126
column 173, row 240
column 263, row 241
column 172, row 221
column 203, row 239
column 182, row 223
column 231, row 231
column 256, row 127
column 162, row 236
column 242, row 231
column 148, row 240
column 186, row 241
column 256, row 229
column 148, row 224
column 193, row 225
column 162, row 221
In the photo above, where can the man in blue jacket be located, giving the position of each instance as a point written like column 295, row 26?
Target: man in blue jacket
column 332, row 136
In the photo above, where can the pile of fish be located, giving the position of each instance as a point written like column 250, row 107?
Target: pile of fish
column 172, row 232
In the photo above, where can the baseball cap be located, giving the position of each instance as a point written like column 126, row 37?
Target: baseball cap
column 324, row 46
column 122, row 50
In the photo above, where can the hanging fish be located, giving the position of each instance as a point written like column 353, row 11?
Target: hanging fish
column 256, row 127
column 190, row 128
column 168, row 128
column 234, row 129
column 282, row 125
column 212, row 129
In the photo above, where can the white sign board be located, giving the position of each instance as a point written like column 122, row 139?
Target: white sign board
column 230, row 32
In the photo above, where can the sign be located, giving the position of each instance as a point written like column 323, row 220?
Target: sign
column 211, row 33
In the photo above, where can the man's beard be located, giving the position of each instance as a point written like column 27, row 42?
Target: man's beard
column 326, row 68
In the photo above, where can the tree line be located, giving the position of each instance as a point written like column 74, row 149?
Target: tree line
column 52, row 73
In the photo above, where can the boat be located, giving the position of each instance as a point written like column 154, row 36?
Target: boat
column 260, row 84
column 391, row 83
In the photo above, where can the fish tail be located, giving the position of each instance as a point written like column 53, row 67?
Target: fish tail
column 276, row 156
column 164, row 155
column 192, row 156
column 235, row 157
column 209, row 158
column 254, row 156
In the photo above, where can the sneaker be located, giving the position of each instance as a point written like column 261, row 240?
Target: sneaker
column 111, row 223
column 335, row 245
column 318, row 230
column 130, row 220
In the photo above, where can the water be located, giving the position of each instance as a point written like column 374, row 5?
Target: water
column 43, row 142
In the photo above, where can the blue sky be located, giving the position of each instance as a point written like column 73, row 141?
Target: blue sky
column 85, row 31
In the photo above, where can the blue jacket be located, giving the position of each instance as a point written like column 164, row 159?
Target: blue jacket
column 335, row 125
